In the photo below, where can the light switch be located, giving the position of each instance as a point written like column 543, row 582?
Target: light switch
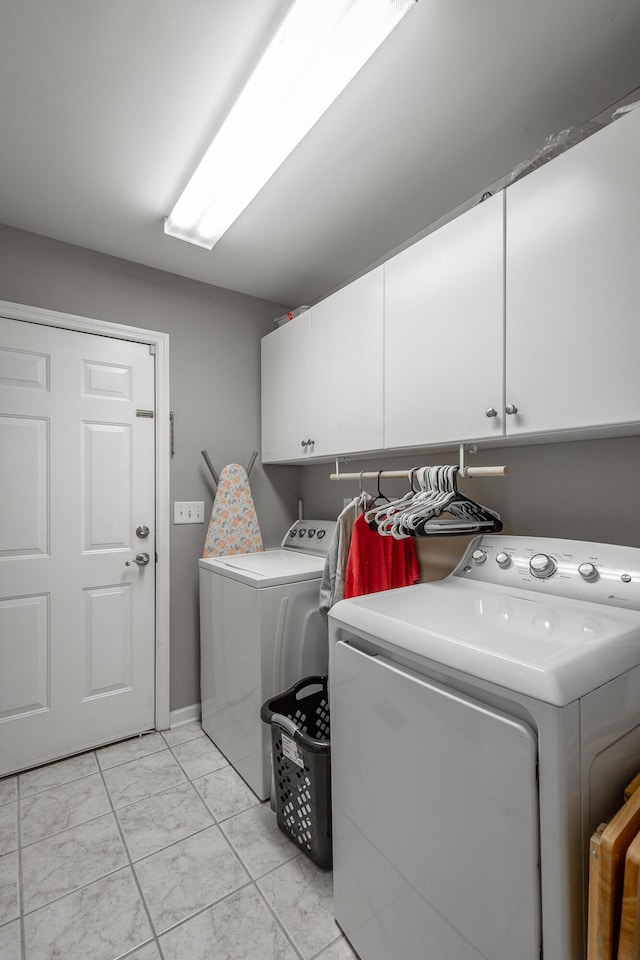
column 188, row 511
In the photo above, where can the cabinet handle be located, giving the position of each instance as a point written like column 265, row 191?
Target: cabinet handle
column 491, row 412
column 511, row 409
column 303, row 443
column 307, row 443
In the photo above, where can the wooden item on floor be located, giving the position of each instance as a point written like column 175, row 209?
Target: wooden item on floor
column 631, row 788
column 629, row 944
column 607, row 852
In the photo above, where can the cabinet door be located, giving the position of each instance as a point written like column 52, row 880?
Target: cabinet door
column 346, row 368
column 573, row 286
column 284, row 390
column 444, row 320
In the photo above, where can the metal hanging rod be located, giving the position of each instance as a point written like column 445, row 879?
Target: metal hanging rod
column 464, row 471
column 404, row 474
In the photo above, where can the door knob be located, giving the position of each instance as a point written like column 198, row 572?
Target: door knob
column 142, row 559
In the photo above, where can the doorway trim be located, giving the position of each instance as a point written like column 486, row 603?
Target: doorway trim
column 159, row 342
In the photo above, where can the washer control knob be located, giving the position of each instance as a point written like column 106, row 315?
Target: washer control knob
column 478, row 556
column 588, row 572
column 503, row 560
column 321, row 534
column 542, row 566
column 626, row 578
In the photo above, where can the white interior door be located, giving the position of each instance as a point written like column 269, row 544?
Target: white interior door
column 77, row 639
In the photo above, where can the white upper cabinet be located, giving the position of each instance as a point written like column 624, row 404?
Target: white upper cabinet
column 444, row 329
column 518, row 318
column 284, row 389
column 346, row 368
column 573, row 287
column 322, row 377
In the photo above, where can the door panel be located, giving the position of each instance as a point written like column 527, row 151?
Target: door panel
column 24, row 655
column 107, row 486
column 77, row 637
column 435, row 818
column 24, row 502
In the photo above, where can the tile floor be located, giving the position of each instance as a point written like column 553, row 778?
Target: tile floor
column 154, row 849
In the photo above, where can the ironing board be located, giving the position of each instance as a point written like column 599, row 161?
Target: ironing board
column 233, row 526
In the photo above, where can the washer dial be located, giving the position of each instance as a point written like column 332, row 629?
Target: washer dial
column 542, row 566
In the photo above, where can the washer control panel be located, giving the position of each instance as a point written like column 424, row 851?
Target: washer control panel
column 579, row 569
column 310, row 536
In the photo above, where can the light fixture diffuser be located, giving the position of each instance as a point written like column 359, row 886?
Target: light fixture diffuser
column 317, row 50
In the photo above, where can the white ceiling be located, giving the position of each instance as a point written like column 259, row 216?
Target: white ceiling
column 107, row 105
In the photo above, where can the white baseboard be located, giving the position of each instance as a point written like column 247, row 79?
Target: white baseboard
column 184, row 715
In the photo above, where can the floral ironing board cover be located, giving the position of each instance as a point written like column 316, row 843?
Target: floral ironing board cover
column 233, row 526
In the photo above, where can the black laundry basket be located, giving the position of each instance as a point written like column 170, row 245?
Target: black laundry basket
column 301, row 756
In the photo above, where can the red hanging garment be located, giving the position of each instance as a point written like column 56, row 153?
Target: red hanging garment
column 378, row 563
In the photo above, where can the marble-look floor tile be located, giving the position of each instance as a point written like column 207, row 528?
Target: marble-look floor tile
column 302, row 897
column 101, row 921
column 9, row 905
column 142, row 778
column 8, row 827
column 10, row 946
column 60, row 864
column 258, row 841
column 8, row 790
column 225, row 793
column 199, row 757
column 186, row 731
column 154, row 823
column 340, row 950
column 240, row 926
column 61, row 807
column 54, row 774
column 131, row 749
column 192, row 874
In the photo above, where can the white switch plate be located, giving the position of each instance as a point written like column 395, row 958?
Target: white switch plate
column 188, row 511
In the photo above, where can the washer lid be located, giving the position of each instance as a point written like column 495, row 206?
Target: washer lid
column 267, row 568
column 549, row 648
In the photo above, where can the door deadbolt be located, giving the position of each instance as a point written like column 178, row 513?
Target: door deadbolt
column 142, row 531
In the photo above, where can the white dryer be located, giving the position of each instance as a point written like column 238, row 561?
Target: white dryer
column 260, row 631
column 482, row 727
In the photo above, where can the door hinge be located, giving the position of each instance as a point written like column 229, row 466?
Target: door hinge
column 172, row 433
column 152, row 349
column 145, row 413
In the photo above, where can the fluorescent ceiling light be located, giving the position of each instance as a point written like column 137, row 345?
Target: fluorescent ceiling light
column 317, row 50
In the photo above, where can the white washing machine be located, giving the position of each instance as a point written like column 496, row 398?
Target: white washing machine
column 260, row 632
column 482, row 727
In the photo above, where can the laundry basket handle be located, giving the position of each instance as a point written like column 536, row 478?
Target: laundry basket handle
column 286, row 724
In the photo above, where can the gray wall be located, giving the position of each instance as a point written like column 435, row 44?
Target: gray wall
column 582, row 490
column 214, row 381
